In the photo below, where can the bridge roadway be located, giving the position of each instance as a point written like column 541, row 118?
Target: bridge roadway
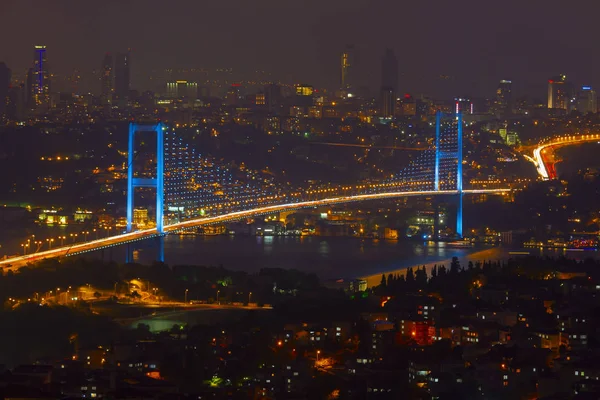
column 15, row 263
column 544, row 166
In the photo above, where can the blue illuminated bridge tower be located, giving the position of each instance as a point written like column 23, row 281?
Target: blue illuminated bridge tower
column 190, row 185
column 448, row 170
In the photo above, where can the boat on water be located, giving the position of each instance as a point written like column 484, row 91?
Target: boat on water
column 460, row 244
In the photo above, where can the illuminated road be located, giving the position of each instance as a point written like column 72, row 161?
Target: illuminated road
column 16, row 262
column 541, row 154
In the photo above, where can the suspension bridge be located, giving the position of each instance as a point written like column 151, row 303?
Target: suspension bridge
column 193, row 190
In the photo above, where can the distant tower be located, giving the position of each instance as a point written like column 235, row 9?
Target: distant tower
column 40, row 84
column 122, row 75
column 107, row 77
column 504, row 104
column 388, row 102
column 557, row 92
column 389, row 71
column 4, row 86
column 347, row 62
column 587, row 101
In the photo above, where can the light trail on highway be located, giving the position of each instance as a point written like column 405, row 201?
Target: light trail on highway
column 15, row 263
column 538, row 152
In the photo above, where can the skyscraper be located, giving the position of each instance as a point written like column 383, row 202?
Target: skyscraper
column 40, row 84
column 388, row 102
column 503, row 103
column 346, row 65
column 389, row 71
column 587, row 101
column 122, row 75
column 557, row 92
column 4, row 86
column 107, row 77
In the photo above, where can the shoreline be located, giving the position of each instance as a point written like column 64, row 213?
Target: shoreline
column 489, row 254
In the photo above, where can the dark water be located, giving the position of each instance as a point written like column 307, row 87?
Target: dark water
column 328, row 257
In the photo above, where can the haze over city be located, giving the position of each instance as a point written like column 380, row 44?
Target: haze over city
column 475, row 43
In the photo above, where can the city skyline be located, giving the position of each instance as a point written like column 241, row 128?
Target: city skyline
column 484, row 57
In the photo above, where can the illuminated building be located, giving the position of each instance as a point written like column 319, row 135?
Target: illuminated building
column 233, row 95
column 180, row 89
column 304, row 90
column 388, row 102
column 557, row 92
column 260, row 99
column 4, row 86
column 122, row 75
column 463, row 105
column 503, row 103
column 107, row 77
column 40, row 84
column 389, row 71
column 346, row 67
column 587, row 100
column 140, row 216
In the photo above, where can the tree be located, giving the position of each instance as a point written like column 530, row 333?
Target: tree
column 434, row 271
column 455, row 266
column 421, row 277
column 383, row 282
column 410, row 276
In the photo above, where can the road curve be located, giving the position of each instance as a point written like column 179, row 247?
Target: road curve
column 568, row 140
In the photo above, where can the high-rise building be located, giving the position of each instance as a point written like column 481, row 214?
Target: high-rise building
column 273, row 98
column 558, row 96
column 347, row 65
column 5, row 75
column 107, row 77
column 185, row 89
column 40, row 84
column 587, row 101
column 232, row 97
column 463, row 105
column 388, row 102
column 503, row 103
column 304, row 90
column 389, row 71
column 122, row 75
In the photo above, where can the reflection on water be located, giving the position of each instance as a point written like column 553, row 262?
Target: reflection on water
column 324, row 249
column 331, row 257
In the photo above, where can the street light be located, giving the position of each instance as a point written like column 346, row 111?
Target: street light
column 218, row 291
column 318, row 352
column 186, row 292
column 249, row 297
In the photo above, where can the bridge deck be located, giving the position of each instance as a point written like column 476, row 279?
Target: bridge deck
column 16, row 262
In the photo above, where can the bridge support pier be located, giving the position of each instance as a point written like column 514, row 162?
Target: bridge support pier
column 160, row 249
column 128, row 253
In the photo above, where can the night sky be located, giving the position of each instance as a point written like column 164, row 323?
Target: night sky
column 474, row 42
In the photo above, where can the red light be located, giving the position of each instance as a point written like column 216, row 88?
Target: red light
column 236, row 84
column 407, row 96
column 550, row 81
